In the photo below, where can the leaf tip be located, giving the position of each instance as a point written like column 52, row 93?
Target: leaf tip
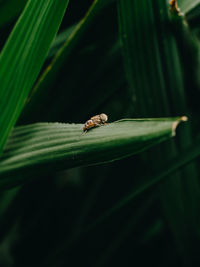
column 184, row 118
column 177, row 122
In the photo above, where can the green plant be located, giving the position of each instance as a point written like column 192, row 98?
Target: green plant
column 129, row 59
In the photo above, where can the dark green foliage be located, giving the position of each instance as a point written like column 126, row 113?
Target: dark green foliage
column 138, row 203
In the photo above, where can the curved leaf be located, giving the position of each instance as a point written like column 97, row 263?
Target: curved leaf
column 58, row 146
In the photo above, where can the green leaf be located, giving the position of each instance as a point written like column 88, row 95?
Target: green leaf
column 145, row 184
column 154, row 70
column 23, row 56
column 55, row 146
column 188, row 5
column 50, row 74
column 60, row 39
column 80, row 29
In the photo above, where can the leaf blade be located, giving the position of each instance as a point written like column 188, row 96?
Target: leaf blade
column 187, row 5
column 23, row 56
column 57, row 146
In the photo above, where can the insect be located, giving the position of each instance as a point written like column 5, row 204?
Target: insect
column 95, row 121
column 174, row 6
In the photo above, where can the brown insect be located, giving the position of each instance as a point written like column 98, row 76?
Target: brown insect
column 95, row 121
column 174, row 6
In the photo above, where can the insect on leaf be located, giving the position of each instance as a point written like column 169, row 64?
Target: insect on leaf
column 43, row 147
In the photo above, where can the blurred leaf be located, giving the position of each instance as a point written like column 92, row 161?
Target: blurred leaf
column 23, row 56
column 60, row 40
column 145, row 183
column 153, row 180
column 125, row 232
column 188, row 5
column 73, row 95
column 50, row 147
column 35, row 105
column 189, row 49
column 72, row 41
column 155, row 74
column 191, row 10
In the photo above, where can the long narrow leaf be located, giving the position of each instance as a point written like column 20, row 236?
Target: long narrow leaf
column 155, row 74
column 188, row 5
column 23, row 56
column 56, row 146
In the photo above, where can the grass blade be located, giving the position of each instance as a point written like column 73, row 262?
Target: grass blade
column 188, row 5
column 56, row 146
column 155, row 74
column 23, row 56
